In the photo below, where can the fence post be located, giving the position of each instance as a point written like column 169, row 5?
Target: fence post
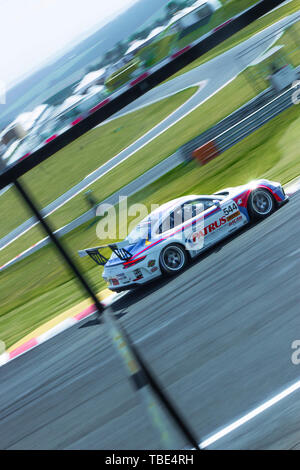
column 158, row 404
column 63, row 252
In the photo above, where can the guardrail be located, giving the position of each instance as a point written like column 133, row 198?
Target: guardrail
column 225, row 134
column 238, row 126
column 242, row 129
column 131, row 91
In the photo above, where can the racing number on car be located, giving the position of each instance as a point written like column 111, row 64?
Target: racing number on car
column 230, row 209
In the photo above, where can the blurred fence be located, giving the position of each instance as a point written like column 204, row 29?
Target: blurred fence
column 241, row 123
column 224, row 135
column 284, row 50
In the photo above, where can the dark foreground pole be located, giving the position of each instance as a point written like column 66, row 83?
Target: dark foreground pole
column 62, row 250
column 143, row 377
column 158, row 404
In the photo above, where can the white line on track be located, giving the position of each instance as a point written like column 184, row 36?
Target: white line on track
column 155, row 100
column 249, row 416
column 294, row 252
column 245, row 418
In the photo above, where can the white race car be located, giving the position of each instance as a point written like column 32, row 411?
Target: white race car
column 176, row 232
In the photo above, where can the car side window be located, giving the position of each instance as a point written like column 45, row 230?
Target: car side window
column 208, row 203
column 166, row 224
column 193, row 208
column 186, row 211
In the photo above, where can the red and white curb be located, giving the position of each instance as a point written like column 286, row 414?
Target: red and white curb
column 62, row 326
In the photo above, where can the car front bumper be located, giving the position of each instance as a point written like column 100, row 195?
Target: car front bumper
column 285, row 201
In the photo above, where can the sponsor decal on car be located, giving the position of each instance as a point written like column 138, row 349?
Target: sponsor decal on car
column 232, row 216
column 235, row 221
column 208, row 229
column 230, row 209
column 242, row 198
column 151, row 263
column 138, row 274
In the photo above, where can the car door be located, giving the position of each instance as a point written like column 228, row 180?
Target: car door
column 184, row 223
column 207, row 227
column 215, row 224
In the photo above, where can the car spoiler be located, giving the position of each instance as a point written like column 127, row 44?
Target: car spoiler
column 99, row 258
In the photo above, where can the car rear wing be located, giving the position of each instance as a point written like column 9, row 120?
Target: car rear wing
column 99, row 258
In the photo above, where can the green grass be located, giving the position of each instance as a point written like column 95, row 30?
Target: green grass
column 122, row 75
column 156, row 51
column 288, row 53
column 50, row 288
column 71, row 164
column 220, row 16
column 39, row 287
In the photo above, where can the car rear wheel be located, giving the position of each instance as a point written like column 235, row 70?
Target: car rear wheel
column 173, row 259
column 261, row 204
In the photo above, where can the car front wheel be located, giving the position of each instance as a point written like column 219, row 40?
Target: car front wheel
column 261, row 204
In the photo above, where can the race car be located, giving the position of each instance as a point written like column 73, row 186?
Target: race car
column 179, row 230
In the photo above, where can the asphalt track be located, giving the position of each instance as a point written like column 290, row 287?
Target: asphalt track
column 218, row 336
column 209, row 79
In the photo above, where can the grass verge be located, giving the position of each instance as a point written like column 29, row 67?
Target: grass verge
column 227, row 100
column 241, row 36
column 49, row 288
column 71, row 164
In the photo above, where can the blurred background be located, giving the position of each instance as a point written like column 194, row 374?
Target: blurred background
column 64, row 60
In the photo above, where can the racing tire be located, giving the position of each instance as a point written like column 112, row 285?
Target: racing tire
column 261, row 204
column 173, row 259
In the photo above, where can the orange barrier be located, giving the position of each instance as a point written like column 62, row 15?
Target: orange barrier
column 206, row 152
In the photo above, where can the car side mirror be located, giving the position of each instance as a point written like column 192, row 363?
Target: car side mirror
column 217, row 202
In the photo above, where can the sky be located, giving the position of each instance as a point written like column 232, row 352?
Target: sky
column 32, row 31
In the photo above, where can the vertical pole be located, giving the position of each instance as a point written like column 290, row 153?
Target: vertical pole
column 63, row 252
column 158, row 404
column 141, row 375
